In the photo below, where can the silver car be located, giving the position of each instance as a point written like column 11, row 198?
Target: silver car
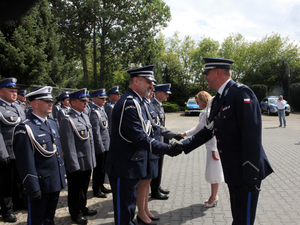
column 268, row 105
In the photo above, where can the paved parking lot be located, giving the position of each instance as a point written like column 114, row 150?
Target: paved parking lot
column 279, row 202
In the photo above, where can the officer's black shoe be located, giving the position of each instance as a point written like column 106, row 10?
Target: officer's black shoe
column 164, row 191
column 79, row 219
column 158, row 195
column 11, row 218
column 100, row 194
column 105, row 190
column 89, row 212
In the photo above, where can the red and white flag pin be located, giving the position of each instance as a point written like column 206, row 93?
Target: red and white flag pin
column 246, row 100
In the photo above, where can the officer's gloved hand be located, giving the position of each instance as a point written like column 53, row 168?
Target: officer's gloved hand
column 4, row 162
column 252, row 188
column 35, row 197
column 174, row 149
column 178, row 137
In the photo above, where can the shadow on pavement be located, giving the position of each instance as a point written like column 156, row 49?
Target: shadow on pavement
column 272, row 127
column 181, row 215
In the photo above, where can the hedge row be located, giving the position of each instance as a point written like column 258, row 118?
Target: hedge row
column 171, row 107
column 260, row 91
column 294, row 95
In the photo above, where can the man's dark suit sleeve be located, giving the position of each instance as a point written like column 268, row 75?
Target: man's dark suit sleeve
column 249, row 122
column 197, row 140
column 132, row 128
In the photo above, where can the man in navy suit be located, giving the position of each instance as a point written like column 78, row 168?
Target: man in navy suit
column 39, row 159
column 235, row 120
column 131, row 132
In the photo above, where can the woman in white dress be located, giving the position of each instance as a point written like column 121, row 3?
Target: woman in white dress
column 213, row 171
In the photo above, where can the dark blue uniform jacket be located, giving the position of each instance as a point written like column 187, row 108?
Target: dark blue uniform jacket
column 237, row 126
column 36, row 171
column 129, row 160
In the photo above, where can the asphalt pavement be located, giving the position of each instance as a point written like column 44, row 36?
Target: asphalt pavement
column 279, row 201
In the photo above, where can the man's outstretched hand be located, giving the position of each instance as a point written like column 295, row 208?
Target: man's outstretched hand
column 174, row 149
column 178, row 137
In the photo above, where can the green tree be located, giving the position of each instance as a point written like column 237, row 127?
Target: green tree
column 267, row 65
column 235, row 47
column 76, row 22
column 31, row 51
column 206, row 47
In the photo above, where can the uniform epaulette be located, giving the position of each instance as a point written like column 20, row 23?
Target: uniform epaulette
column 239, row 85
column 130, row 96
column 26, row 121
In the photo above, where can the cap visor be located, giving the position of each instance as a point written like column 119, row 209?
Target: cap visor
column 46, row 99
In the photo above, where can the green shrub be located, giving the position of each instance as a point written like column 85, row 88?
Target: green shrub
column 171, row 107
column 294, row 95
column 259, row 90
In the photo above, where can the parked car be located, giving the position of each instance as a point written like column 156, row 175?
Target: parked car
column 191, row 107
column 268, row 105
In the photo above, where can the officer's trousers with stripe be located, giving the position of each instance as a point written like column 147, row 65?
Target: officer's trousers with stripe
column 243, row 205
column 124, row 199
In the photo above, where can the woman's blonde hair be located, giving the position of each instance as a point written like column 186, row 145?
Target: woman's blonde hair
column 203, row 96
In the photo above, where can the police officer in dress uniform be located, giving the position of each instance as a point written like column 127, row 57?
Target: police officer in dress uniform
column 235, row 120
column 99, row 123
column 162, row 93
column 79, row 154
column 11, row 114
column 29, row 110
column 113, row 96
column 65, row 106
column 56, row 107
column 39, row 159
column 88, row 109
column 21, row 99
column 127, row 161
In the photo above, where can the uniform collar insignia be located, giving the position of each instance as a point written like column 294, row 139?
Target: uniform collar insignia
column 226, row 92
column 37, row 122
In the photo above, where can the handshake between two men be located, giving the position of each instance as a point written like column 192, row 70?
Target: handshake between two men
column 175, row 148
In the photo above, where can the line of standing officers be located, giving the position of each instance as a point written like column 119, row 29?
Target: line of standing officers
column 40, row 146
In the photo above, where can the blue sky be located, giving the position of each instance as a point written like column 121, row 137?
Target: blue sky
column 217, row 19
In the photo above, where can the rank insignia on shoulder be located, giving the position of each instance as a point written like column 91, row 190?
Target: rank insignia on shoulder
column 130, row 107
column 25, row 121
column 239, row 84
column 20, row 132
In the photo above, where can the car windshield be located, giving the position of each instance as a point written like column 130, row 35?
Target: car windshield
column 272, row 100
column 191, row 101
